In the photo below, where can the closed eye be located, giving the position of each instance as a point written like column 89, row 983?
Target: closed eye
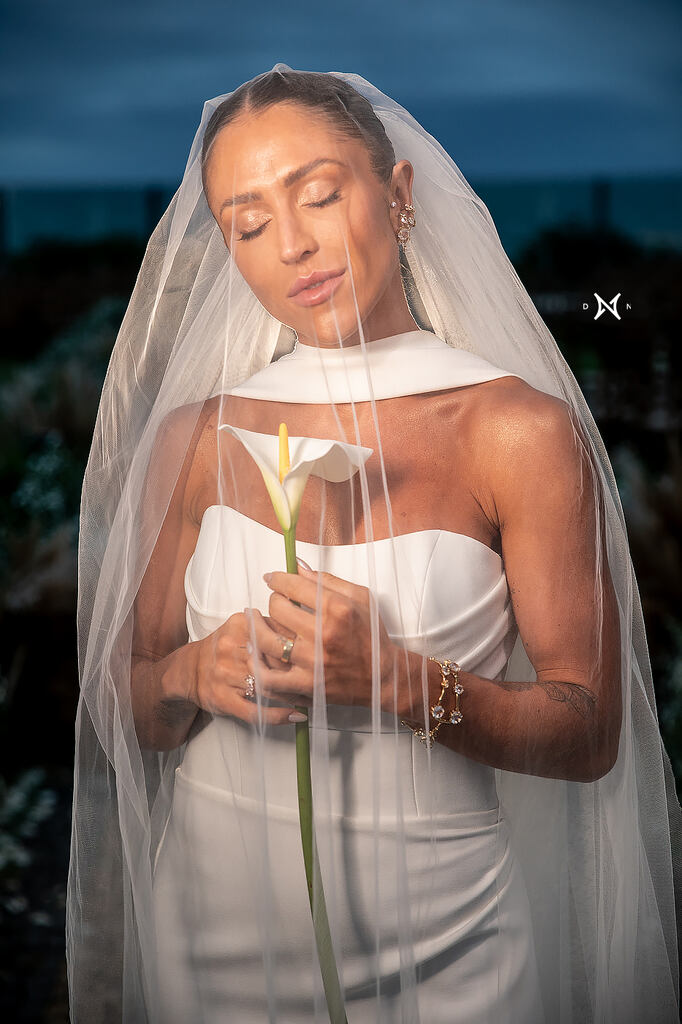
column 330, row 199
column 246, row 235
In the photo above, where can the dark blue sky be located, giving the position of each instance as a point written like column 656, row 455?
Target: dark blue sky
column 93, row 92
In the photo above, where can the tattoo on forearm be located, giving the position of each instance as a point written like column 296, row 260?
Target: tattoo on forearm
column 579, row 697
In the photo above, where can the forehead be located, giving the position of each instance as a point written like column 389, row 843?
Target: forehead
column 260, row 149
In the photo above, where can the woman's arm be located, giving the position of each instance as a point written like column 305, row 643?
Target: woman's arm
column 542, row 494
column 162, row 660
column 171, row 678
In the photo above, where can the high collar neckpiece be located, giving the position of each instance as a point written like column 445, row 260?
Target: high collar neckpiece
column 410, row 363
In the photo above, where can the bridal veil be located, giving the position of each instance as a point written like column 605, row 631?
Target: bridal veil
column 600, row 859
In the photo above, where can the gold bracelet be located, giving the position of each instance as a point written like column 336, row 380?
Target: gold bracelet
column 447, row 669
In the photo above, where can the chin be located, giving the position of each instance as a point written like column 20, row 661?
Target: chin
column 329, row 330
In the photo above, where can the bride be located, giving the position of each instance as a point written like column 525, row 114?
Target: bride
column 461, row 645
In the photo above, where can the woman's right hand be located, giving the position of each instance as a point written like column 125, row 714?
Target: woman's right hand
column 220, row 671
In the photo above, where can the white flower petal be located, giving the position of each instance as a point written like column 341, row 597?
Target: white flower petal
column 261, row 448
column 294, row 486
column 324, row 457
column 332, row 460
column 279, row 499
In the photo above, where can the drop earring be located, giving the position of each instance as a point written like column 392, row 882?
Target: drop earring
column 407, row 222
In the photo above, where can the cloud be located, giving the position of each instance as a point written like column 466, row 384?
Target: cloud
column 114, row 93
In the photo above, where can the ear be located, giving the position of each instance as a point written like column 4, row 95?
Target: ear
column 401, row 179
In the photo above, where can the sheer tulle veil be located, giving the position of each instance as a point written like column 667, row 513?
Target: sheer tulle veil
column 600, row 859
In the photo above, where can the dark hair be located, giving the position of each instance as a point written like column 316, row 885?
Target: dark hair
column 346, row 109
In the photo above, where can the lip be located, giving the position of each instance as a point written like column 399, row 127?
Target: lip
column 327, row 280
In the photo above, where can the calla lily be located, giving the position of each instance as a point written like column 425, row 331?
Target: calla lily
column 309, row 456
column 331, row 460
column 285, row 464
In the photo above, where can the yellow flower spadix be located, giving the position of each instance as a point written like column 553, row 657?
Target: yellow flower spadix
column 284, row 463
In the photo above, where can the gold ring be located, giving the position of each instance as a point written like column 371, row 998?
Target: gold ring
column 250, row 686
column 287, row 646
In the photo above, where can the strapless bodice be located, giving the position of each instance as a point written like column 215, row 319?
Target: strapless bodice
column 438, row 593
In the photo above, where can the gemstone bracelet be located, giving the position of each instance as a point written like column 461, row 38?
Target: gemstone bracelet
column 448, row 669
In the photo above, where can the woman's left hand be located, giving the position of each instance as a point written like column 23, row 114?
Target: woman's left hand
column 343, row 611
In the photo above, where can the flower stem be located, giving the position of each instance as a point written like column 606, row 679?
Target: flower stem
column 290, row 549
column 325, row 950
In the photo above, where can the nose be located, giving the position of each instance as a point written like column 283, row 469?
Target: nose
column 296, row 239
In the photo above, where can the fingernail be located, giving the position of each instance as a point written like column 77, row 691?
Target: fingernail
column 304, row 564
column 296, row 716
column 267, row 576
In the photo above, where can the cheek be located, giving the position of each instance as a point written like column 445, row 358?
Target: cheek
column 253, row 268
column 268, row 280
column 373, row 247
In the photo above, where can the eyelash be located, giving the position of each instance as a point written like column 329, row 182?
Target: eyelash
column 246, row 235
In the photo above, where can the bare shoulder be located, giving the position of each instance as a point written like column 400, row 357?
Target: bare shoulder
column 523, row 443
column 183, row 427
column 508, row 417
column 185, row 442
column 182, row 418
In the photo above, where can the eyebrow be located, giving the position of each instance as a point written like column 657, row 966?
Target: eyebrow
column 291, row 178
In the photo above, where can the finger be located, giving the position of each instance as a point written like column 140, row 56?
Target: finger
column 272, row 682
column 296, row 699
column 296, row 586
column 326, row 580
column 268, row 642
column 270, row 662
column 279, row 627
column 251, row 713
column 269, row 645
column 297, row 620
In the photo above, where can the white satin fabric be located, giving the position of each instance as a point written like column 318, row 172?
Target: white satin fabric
column 411, row 363
column 474, row 950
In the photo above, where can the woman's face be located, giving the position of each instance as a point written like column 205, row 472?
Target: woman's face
column 292, row 198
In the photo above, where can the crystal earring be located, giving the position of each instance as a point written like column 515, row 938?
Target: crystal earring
column 407, row 221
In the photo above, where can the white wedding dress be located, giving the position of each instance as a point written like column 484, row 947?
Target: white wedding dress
column 473, row 940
